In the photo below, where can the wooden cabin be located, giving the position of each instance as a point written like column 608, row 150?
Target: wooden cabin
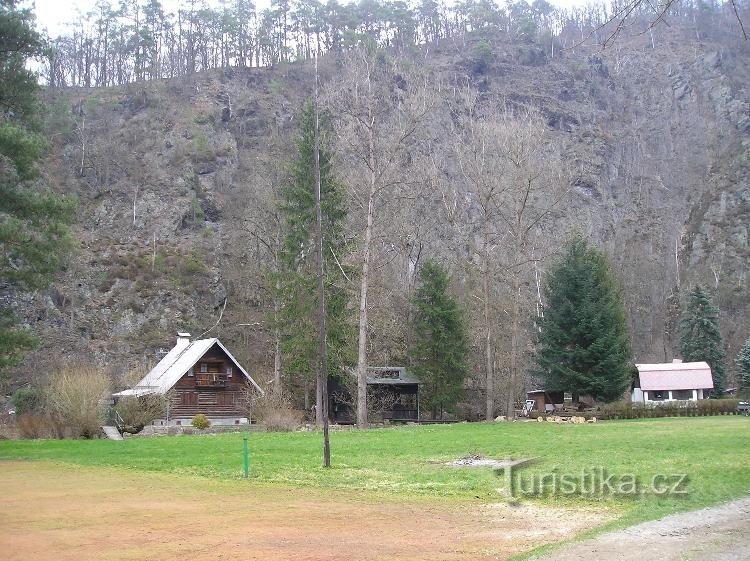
column 200, row 376
column 393, row 388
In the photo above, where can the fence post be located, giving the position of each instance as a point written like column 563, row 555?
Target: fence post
column 245, row 457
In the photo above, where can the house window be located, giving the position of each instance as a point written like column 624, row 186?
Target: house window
column 191, row 372
column 682, row 394
column 657, row 395
column 204, row 367
column 229, row 371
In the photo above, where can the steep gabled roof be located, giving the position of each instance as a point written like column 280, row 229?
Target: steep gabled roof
column 675, row 376
column 175, row 365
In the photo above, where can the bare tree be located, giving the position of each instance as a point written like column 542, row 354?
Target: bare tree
column 380, row 107
column 514, row 179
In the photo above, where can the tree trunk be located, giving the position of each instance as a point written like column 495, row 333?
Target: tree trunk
column 362, row 342
column 490, row 379
column 510, row 408
column 322, row 328
column 276, row 359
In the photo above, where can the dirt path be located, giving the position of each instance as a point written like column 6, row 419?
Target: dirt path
column 719, row 533
column 51, row 512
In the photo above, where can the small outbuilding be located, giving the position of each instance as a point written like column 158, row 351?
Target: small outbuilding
column 393, row 390
column 672, row 381
column 200, row 376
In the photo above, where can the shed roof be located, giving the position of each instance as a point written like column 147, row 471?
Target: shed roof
column 175, row 365
column 675, row 376
column 390, row 375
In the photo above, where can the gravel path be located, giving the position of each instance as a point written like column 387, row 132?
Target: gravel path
column 720, row 533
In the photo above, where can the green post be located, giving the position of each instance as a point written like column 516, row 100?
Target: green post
column 245, row 457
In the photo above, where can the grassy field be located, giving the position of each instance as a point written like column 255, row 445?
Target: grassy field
column 713, row 451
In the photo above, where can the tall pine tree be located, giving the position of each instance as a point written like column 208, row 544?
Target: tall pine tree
column 700, row 338
column 440, row 346
column 743, row 369
column 583, row 346
column 33, row 220
column 298, row 279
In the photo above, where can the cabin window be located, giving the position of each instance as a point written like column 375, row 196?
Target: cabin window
column 191, row 372
column 682, row 394
column 229, row 371
column 657, row 395
column 204, row 367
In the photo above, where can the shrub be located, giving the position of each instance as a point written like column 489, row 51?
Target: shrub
column 27, row 400
column 482, row 57
column 704, row 407
column 274, row 412
column 76, row 396
column 137, row 412
column 200, row 421
column 34, row 425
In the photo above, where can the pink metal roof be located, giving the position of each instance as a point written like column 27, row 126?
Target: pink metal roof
column 675, row 376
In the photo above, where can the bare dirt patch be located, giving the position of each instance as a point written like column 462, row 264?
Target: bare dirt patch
column 51, row 512
column 720, row 533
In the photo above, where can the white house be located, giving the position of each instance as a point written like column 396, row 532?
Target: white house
column 675, row 381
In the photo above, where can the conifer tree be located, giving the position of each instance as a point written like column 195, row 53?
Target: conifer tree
column 33, row 220
column 700, row 338
column 440, row 346
column 583, row 347
column 298, row 279
column 743, row 368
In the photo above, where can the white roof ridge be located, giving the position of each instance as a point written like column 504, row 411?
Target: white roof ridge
column 173, row 366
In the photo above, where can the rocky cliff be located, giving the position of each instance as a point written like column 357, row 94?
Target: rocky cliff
column 176, row 179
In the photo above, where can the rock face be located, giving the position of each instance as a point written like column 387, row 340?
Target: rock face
column 176, row 188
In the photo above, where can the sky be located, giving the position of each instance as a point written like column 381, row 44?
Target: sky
column 52, row 15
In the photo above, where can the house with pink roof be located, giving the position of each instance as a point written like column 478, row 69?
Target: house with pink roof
column 675, row 381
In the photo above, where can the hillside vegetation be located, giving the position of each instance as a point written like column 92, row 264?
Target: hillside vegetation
column 177, row 182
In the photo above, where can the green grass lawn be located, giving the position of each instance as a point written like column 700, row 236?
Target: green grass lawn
column 713, row 451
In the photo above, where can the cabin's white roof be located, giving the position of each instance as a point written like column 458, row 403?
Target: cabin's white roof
column 175, row 365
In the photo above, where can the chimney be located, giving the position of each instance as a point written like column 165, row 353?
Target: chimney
column 183, row 340
column 676, row 361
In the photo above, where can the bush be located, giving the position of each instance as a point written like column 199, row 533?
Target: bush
column 482, row 57
column 701, row 408
column 32, row 425
column 200, row 421
column 137, row 412
column 76, row 396
column 27, row 400
column 275, row 413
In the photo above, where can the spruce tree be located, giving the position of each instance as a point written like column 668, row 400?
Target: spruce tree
column 297, row 279
column 440, row 346
column 34, row 221
column 743, row 369
column 700, row 338
column 583, row 346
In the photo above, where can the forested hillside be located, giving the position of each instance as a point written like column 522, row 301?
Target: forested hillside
column 178, row 167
